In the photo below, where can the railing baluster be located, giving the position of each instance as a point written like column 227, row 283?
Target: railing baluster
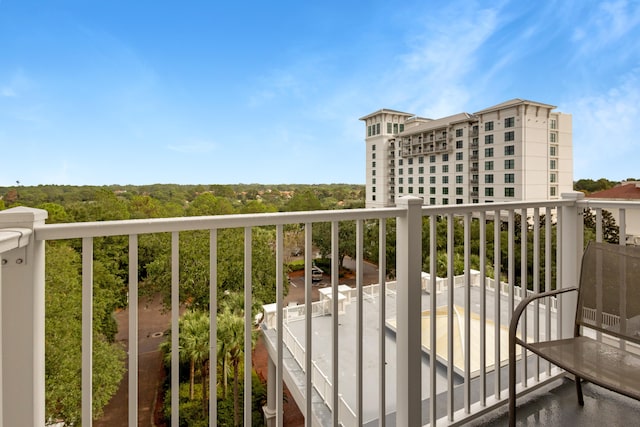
column 433, row 255
column 213, row 328
column 451, row 312
column 87, row 331
column 496, row 308
column 280, row 321
column 483, row 307
column 335, row 253
column 524, row 279
column 467, row 312
column 133, row 330
column 175, row 328
column 536, row 285
column 308, row 261
column 248, row 325
column 359, row 319
column 548, row 264
column 382, row 326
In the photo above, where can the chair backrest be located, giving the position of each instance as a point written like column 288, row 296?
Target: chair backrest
column 609, row 293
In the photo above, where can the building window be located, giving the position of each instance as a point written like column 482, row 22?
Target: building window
column 553, row 124
column 488, row 165
column 445, row 157
column 373, row 172
column 509, row 164
column 373, row 189
column 401, row 127
column 432, row 169
column 388, row 127
column 432, row 201
column 432, row 190
column 373, row 147
column 410, row 171
column 509, row 178
column 553, row 137
column 488, row 152
column 432, row 159
column 377, row 128
column 373, row 197
column 395, row 128
column 432, row 180
column 373, row 181
column 459, row 167
column 553, row 151
column 458, row 156
column 509, row 122
column 421, row 180
column 400, row 190
column 400, row 162
column 458, row 133
column 445, row 190
column 459, row 201
column 445, row 179
column 509, row 136
column 459, row 144
column 421, row 169
column 459, row 179
column 410, row 180
column 488, row 126
column 420, row 190
column 488, row 139
column 553, row 164
column 509, row 192
column 488, row 191
column 445, row 201
column 373, row 164
column 421, row 159
column 400, row 171
column 488, row 179
column 410, row 161
column 373, row 155
column 410, row 190
column 445, row 168
column 401, row 180
column 552, row 191
column 459, row 191
column 553, row 177
column 368, row 130
column 509, row 150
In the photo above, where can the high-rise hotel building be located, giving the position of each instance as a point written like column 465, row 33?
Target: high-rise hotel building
column 517, row 150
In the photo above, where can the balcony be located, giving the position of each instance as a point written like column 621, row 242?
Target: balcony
column 390, row 330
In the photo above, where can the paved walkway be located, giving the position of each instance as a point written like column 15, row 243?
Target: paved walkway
column 152, row 323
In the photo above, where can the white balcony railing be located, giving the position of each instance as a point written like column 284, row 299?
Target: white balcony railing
column 466, row 393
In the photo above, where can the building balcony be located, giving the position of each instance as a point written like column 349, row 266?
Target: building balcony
column 352, row 350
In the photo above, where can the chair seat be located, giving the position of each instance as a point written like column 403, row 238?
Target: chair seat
column 594, row 361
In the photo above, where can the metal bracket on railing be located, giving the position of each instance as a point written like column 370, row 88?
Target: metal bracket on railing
column 13, row 243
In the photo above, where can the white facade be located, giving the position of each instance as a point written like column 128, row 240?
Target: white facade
column 517, row 150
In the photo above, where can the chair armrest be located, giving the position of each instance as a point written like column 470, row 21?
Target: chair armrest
column 515, row 319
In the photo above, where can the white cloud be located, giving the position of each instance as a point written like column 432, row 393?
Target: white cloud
column 605, row 131
column 195, row 147
column 17, row 84
column 608, row 23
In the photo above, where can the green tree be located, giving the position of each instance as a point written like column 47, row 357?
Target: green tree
column 63, row 332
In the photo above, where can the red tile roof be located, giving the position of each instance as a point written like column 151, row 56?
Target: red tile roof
column 624, row 191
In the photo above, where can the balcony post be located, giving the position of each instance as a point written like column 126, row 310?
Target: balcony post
column 572, row 248
column 22, row 325
column 408, row 335
column 269, row 410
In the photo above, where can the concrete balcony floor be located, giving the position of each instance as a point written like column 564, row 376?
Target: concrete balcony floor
column 558, row 406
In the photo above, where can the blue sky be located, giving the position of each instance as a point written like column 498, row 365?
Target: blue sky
column 199, row 92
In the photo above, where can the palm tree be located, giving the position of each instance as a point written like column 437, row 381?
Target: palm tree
column 231, row 350
column 193, row 346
